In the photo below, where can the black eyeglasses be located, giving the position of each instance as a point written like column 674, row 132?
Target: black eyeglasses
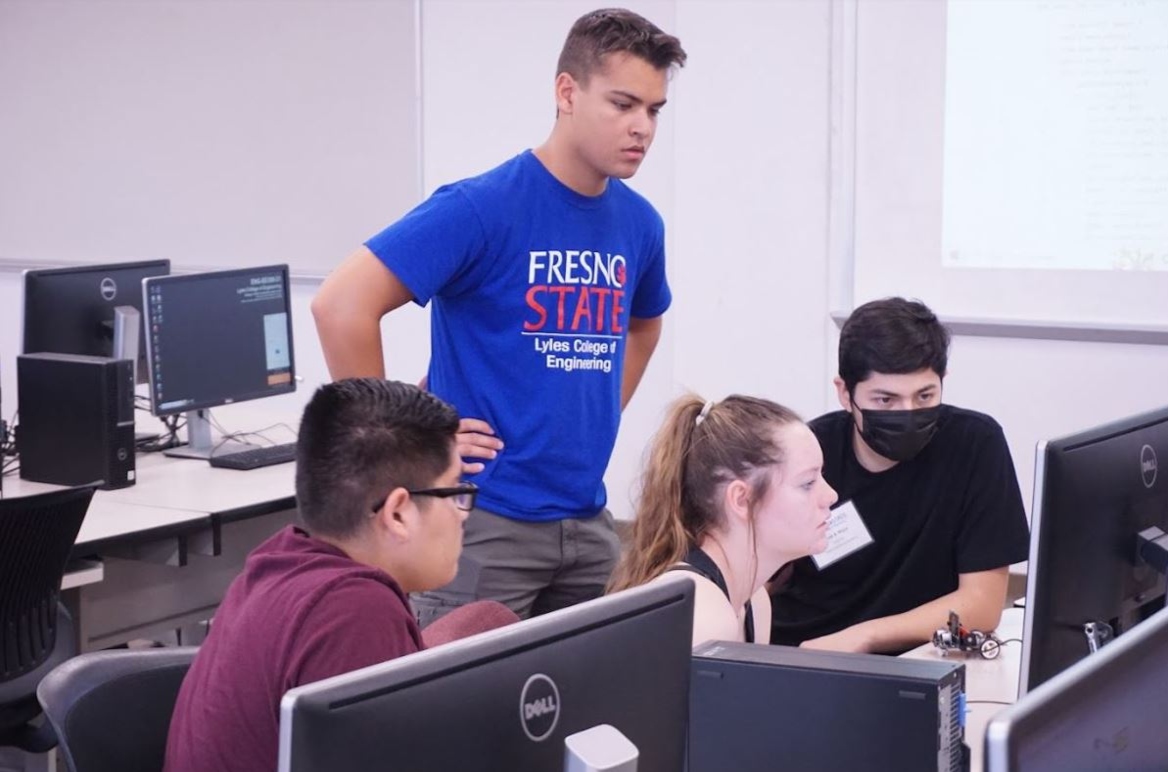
column 464, row 495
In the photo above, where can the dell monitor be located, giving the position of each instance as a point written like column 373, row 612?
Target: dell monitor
column 1093, row 572
column 508, row 700
column 214, row 339
column 82, row 310
column 1105, row 712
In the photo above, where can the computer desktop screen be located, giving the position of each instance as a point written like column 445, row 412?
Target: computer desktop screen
column 1094, row 492
column 506, row 700
column 1103, row 713
column 217, row 338
column 71, row 310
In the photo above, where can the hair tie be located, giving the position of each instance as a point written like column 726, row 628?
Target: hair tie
column 706, row 408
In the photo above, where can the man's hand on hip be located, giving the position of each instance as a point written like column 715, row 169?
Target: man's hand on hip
column 476, row 439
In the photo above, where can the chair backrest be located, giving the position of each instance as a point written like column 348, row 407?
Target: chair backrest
column 36, row 535
column 111, row 709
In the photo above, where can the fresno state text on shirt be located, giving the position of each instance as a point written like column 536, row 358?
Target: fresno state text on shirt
column 576, row 294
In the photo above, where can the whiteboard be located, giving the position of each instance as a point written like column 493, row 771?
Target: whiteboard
column 995, row 147
column 215, row 134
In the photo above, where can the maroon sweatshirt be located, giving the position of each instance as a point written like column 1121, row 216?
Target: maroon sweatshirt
column 300, row 611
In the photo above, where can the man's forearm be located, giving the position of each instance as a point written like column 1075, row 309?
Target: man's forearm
column 914, row 627
column 351, row 350
column 348, row 309
column 980, row 608
column 640, row 342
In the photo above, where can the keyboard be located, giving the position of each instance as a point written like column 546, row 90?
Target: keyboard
column 254, row 458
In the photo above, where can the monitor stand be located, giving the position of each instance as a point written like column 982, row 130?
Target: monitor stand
column 127, row 329
column 199, row 444
column 602, row 748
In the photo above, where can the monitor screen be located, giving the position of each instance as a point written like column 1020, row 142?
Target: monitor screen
column 218, row 338
column 1103, row 713
column 507, row 699
column 71, row 310
column 1094, row 491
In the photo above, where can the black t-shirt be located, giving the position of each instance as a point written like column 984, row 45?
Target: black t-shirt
column 953, row 509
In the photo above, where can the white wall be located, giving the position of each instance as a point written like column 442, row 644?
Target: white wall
column 740, row 172
column 218, row 134
column 1043, row 389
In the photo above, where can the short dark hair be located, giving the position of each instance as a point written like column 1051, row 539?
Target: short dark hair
column 616, row 30
column 893, row 336
column 361, row 438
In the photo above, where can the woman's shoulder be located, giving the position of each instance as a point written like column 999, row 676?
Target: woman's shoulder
column 714, row 619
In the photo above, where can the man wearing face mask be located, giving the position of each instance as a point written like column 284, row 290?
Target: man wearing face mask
column 930, row 515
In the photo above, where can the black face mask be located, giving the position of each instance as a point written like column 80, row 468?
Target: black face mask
column 899, row 435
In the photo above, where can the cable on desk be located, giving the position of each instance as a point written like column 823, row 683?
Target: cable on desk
column 8, row 436
column 169, row 440
column 987, row 702
column 227, row 436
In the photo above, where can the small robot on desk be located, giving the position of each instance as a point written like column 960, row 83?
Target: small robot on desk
column 956, row 637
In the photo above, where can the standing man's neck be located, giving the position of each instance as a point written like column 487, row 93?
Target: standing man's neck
column 868, row 458
column 567, row 167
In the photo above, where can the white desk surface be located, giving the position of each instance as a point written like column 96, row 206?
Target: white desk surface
column 193, row 484
column 107, row 517
column 172, row 492
column 987, row 681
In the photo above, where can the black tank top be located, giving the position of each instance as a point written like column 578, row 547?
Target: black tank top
column 698, row 562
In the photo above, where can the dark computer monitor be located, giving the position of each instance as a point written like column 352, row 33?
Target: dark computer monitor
column 72, row 310
column 214, row 339
column 1094, row 492
column 506, row 700
column 1103, row 713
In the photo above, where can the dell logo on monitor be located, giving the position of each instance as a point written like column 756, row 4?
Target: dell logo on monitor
column 1148, row 465
column 109, row 289
column 539, row 707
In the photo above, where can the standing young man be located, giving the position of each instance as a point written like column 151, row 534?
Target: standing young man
column 377, row 486
column 928, row 498
column 547, row 276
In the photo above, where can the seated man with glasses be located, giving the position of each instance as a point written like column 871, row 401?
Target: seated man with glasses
column 377, row 487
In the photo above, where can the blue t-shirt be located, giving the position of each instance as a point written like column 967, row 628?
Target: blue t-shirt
column 533, row 285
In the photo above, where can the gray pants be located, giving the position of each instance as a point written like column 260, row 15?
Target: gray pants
column 532, row 568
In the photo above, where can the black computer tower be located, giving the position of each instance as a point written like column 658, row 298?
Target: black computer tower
column 782, row 708
column 76, row 419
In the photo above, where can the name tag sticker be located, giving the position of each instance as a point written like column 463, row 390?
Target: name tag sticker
column 846, row 533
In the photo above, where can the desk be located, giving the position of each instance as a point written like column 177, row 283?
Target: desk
column 168, row 546
column 987, row 681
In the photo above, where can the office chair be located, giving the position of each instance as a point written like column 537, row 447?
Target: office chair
column 36, row 634
column 111, row 709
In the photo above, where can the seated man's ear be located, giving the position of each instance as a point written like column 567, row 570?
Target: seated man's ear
column 394, row 516
column 841, row 390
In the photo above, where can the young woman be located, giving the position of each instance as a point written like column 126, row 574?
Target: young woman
column 732, row 492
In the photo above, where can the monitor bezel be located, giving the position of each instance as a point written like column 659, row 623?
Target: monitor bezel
column 32, row 274
column 478, row 650
column 1082, row 680
column 1044, row 449
column 188, row 278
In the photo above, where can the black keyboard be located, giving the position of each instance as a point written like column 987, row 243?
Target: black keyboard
column 256, row 457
